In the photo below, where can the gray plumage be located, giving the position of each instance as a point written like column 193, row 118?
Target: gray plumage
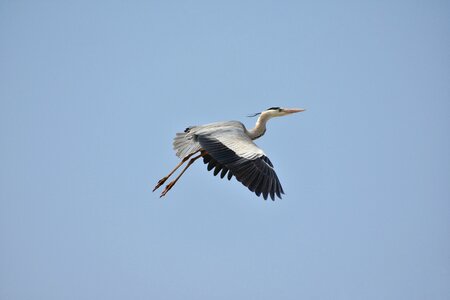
column 228, row 149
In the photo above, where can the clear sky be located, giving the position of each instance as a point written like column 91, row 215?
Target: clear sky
column 93, row 92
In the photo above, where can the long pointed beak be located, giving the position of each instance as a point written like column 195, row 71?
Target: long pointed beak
column 293, row 110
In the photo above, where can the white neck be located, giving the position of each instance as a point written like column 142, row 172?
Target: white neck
column 260, row 127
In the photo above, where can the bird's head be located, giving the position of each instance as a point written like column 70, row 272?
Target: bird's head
column 278, row 112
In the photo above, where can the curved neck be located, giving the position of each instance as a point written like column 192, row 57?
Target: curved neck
column 260, row 127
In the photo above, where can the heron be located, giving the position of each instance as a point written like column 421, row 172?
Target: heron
column 228, row 148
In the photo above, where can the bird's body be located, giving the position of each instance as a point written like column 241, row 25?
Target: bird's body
column 228, row 147
column 230, row 132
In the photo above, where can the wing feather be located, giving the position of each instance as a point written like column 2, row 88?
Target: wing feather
column 234, row 151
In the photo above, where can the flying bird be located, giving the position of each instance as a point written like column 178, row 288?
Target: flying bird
column 228, row 148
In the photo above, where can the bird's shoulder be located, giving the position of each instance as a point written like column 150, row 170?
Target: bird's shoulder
column 228, row 127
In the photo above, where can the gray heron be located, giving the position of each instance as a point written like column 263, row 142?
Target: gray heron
column 228, row 147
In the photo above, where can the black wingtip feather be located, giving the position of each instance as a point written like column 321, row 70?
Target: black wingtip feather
column 224, row 172
column 255, row 182
column 217, row 169
column 256, row 174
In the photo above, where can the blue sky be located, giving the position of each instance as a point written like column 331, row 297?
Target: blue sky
column 92, row 93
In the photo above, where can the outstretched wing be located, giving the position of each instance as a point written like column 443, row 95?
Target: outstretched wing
column 231, row 150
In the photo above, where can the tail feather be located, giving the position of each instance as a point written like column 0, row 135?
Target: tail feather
column 184, row 144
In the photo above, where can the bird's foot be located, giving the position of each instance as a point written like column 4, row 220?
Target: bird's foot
column 160, row 183
column 168, row 187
